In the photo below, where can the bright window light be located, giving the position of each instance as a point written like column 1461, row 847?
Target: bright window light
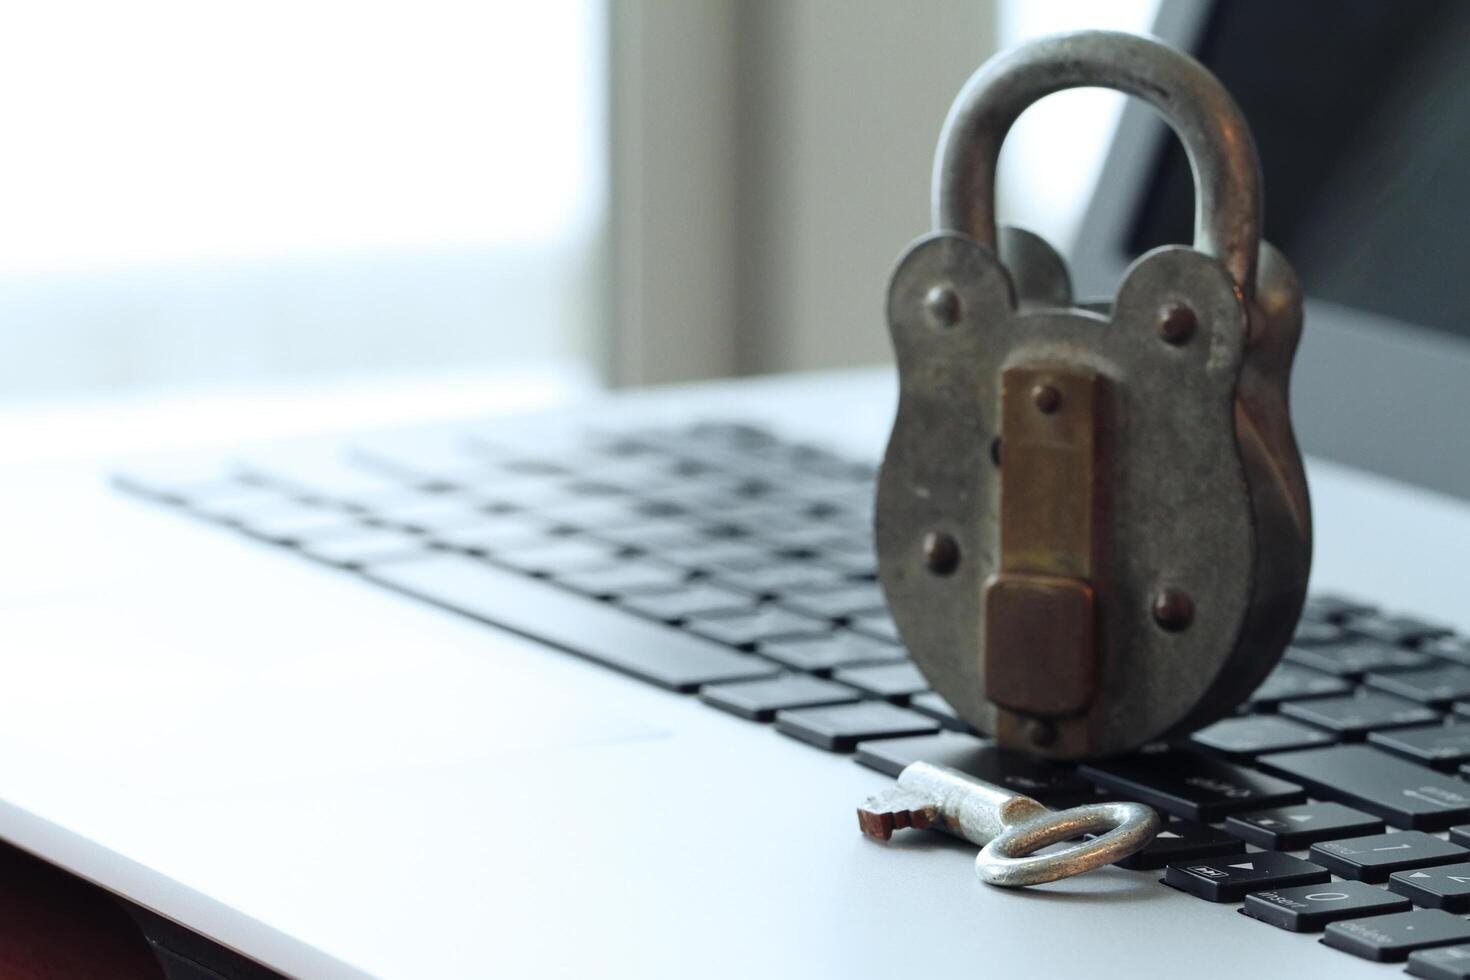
column 195, row 191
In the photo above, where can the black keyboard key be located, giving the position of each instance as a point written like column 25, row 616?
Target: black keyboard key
column 1404, row 794
column 752, row 626
column 1182, row 840
column 1455, row 649
column 1390, row 938
column 1444, row 747
column 840, row 648
column 1288, row 683
column 1229, row 879
column 840, row 728
column 1326, row 608
column 560, row 556
column 1055, row 785
column 626, row 579
column 760, row 700
column 1357, row 658
column 1437, row 685
column 1460, row 835
column 697, row 599
column 877, row 625
column 369, row 546
column 1309, row 908
column 1446, row 886
column 1355, row 716
column 776, row 580
column 1291, row 828
column 893, row 682
column 940, row 710
column 855, row 600
column 1253, row 734
column 1440, row 963
column 1195, row 787
column 533, row 608
column 1398, row 630
column 432, row 513
column 1375, row 857
column 504, row 531
column 1315, row 634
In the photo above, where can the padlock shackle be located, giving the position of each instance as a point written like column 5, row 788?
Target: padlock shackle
column 1222, row 154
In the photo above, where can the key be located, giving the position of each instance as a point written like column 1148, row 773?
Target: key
column 560, row 556
column 1009, row 827
column 698, row 599
column 892, row 682
column 839, row 728
column 504, row 531
column 1390, row 938
column 749, row 627
column 1353, row 659
column 1437, row 685
column 432, row 514
column 1181, row 840
column 760, row 700
column 1398, row 630
column 1308, row 908
column 940, row 710
column 367, row 547
column 1444, row 747
column 1315, row 634
column 635, row 646
column 1288, row 683
column 1228, row 879
column 629, row 578
column 777, row 580
column 1400, row 792
column 841, row 648
column 1054, row 785
column 1353, row 717
column 1375, row 857
column 1191, row 786
column 859, row 599
column 1445, row 887
column 1328, row 608
column 1441, row 963
column 877, row 625
column 1290, row 828
column 1455, row 649
column 1254, row 734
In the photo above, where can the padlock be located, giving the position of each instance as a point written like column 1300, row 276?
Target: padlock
column 1092, row 522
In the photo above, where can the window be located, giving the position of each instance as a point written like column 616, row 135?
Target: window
column 202, row 192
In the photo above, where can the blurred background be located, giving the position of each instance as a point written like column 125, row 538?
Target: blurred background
column 212, row 198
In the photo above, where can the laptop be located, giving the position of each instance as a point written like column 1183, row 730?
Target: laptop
column 596, row 692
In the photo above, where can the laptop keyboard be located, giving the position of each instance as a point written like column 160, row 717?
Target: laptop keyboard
column 721, row 561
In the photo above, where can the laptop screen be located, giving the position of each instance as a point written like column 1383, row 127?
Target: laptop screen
column 1361, row 112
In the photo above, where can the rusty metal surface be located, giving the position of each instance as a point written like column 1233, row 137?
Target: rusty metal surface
column 1009, row 827
column 1193, row 487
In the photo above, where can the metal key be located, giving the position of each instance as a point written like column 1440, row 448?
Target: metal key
column 1010, row 828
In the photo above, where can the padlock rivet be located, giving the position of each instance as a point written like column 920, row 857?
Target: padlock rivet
column 1173, row 609
column 942, row 305
column 1176, row 324
column 1047, row 398
column 1041, row 732
column 941, row 553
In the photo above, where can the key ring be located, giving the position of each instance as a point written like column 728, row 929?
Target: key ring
column 1009, row 860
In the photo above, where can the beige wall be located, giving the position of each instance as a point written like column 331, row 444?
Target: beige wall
column 770, row 160
column 844, row 105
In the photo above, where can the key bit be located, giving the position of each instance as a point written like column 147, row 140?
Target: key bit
column 896, row 809
column 1008, row 826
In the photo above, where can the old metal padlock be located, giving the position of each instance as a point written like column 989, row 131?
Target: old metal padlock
column 1093, row 525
